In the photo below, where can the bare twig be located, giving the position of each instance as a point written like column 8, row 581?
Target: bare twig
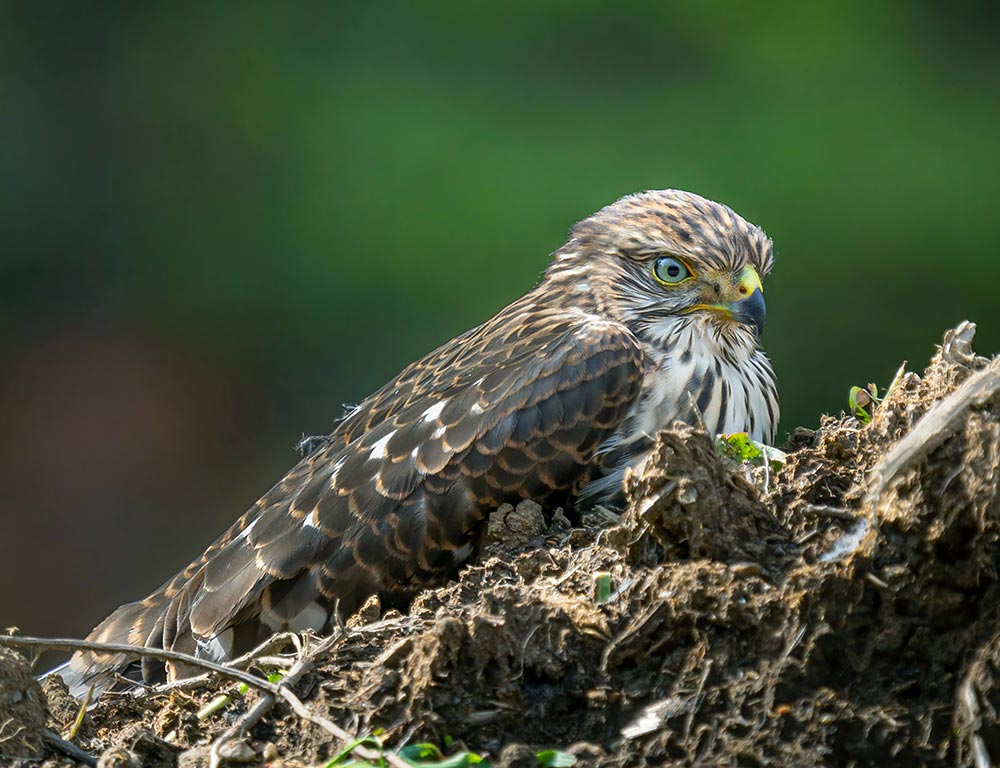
column 184, row 684
column 67, row 644
column 332, row 728
column 808, row 537
column 968, row 701
column 256, row 656
column 877, row 581
column 696, row 700
column 272, row 690
column 275, row 662
column 979, row 752
column 826, row 510
column 266, row 648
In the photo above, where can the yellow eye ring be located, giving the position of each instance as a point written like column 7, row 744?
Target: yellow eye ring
column 670, row 271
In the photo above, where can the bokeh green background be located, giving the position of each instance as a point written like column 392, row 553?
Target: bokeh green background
column 222, row 221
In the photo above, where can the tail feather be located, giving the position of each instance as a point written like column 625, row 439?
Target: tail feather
column 132, row 624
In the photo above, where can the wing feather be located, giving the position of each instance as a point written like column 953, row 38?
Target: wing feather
column 514, row 408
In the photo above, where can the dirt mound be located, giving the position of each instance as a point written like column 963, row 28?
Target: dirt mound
column 840, row 611
column 22, row 707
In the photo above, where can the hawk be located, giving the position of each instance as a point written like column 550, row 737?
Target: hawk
column 651, row 312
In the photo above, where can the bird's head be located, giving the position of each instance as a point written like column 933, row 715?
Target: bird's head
column 665, row 259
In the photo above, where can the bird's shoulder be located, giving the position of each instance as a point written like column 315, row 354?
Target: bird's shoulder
column 528, row 339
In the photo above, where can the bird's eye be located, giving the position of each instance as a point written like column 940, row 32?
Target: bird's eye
column 670, row 271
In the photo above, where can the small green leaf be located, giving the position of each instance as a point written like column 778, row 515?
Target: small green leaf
column 852, row 398
column 737, row 446
column 602, row 586
column 857, row 399
column 413, row 752
column 338, row 760
column 429, row 756
column 553, row 758
column 459, row 760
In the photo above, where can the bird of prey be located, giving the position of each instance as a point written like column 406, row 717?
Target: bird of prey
column 651, row 312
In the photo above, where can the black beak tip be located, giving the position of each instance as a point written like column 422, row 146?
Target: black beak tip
column 752, row 311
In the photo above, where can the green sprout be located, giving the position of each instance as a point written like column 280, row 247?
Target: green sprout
column 862, row 402
column 740, row 447
column 418, row 755
column 343, row 759
column 222, row 701
column 602, row 586
column 430, row 756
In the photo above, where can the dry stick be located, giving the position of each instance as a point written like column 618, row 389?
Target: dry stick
column 696, row 701
column 252, row 657
column 274, row 689
column 825, row 510
column 67, row 644
column 970, row 703
column 271, row 644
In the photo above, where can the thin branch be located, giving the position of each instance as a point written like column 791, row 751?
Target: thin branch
column 271, row 644
column 253, row 657
column 67, row 644
column 826, row 510
column 696, row 701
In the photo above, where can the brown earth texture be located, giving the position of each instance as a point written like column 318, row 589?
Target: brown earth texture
column 841, row 610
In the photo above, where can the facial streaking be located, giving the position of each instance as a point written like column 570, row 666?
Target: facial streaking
column 671, row 259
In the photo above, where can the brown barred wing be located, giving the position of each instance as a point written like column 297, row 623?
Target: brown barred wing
column 507, row 412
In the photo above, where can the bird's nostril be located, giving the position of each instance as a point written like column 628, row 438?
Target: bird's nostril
column 743, row 290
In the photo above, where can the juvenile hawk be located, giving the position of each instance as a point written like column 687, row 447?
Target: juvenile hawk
column 650, row 312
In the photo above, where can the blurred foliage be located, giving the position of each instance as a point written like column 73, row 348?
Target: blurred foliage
column 302, row 199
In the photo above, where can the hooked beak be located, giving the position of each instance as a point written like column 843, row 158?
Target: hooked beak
column 751, row 311
column 742, row 301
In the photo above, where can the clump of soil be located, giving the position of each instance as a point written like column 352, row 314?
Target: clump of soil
column 22, row 708
column 841, row 611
